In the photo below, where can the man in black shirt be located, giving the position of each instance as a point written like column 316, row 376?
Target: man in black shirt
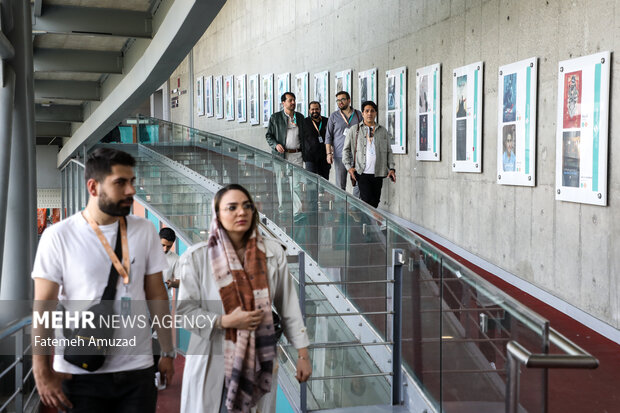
column 313, row 151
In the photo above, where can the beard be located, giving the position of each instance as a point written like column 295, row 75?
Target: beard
column 316, row 116
column 114, row 209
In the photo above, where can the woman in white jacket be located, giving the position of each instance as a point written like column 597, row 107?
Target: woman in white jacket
column 233, row 279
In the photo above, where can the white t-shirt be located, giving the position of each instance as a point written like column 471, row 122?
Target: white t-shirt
column 371, row 157
column 71, row 255
column 172, row 258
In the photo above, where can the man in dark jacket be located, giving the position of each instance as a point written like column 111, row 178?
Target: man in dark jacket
column 313, row 142
column 285, row 131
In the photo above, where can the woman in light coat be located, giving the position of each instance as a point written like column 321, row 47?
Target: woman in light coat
column 200, row 294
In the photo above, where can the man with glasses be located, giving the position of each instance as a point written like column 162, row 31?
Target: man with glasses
column 338, row 124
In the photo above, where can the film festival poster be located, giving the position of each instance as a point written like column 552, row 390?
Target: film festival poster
column 509, row 148
column 428, row 96
column 254, row 98
column 510, row 98
column 241, row 96
column 461, row 116
column 229, row 97
column 284, row 85
column 582, row 129
column 267, row 98
column 209, row 96
column 467, row 115
column 219, row 101
column 200, row 102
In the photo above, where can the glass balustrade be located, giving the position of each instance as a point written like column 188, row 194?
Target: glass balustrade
column 455, row 324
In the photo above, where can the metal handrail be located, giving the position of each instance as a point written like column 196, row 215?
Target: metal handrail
column 17, row 396
column 574, row 358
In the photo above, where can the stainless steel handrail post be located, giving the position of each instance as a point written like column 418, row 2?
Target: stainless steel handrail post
column 397, row 265
column 303, row 387
column 574, row 358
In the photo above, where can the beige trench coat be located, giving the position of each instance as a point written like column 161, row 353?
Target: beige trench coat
column 203, row 376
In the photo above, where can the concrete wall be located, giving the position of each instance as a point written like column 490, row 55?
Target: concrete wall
column 48, row 176
column 571, row 250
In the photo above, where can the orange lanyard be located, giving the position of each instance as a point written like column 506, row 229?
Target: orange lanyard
column 350, row 117
column 319, row 127
column 123, row 269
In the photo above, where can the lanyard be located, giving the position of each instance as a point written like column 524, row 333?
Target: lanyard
column 292, row 119
column 350, row 117
column 320, row 126
column 123, row 270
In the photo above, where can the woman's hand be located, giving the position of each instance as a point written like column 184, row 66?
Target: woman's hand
column 242, row 320
column 304, row 366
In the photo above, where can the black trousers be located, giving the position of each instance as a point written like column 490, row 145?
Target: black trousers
column 370, row 188
column 319, row 168
column 131, row 391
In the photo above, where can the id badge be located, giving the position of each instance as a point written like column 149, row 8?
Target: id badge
column 320, row 139
column 126, row 303
column 344, row 133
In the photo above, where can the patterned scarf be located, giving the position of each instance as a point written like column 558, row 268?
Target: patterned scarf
column 249, row 355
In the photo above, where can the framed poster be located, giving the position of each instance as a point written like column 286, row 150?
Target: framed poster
column 240, row 99
column 209, row 96
column 267, row 90
column 428, row 116
column 343, row 82
column 284, row 85
column 321, row 91
column 467, row 118
column 367, row 86
column 582, row 129
column 396, row 105
column 219, row 97
column 254, row 98
column 229, row 97
column 516, row 126
column 200, row 99
column 301, row 93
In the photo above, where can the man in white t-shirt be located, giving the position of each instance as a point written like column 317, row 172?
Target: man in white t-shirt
column 167, row 238
column 73, row 262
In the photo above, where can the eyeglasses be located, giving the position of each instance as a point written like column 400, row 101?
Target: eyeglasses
column 341, row 100
column 232, row 208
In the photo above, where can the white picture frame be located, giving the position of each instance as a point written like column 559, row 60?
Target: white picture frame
column 301, row 93
column 396, row 108
column 267, row 98
column 229, row 97
column 321, row 91
column 209, row 96
column 240, row 98
column 343, row 82
column 254, row 99
column 367, row 88
column 428, row 113
column 467, row 118
column 200, row 99
column 284, row 85
column 516, row 123
column 219, row 97
column 582, row 129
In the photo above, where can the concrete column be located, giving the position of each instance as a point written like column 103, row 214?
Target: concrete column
column 20, row 230
column 7, row 96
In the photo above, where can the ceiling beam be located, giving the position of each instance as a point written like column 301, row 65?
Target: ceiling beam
column 46, row 141
column 52, row 129
column 184, row 23
column 58, row 113
column 77, row 61
column 93, row 21
column 66, row 89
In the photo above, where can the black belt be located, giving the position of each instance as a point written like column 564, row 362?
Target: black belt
column 293, row 150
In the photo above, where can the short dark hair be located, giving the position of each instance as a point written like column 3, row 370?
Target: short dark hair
column 167, row 234
column 218, row 198
column 371, row 103
column 283, row 97
column 314, row 102
column 99, row 163
column 345, row 93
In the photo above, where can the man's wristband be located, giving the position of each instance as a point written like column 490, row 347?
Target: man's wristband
column 170, row 354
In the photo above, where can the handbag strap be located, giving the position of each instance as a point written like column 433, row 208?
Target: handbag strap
column 110, row 290
column 355, row 145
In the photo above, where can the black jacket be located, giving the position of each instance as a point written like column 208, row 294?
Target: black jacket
column 313, row 149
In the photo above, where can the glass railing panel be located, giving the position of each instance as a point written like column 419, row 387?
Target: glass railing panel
column 421, row 304
column 287, row 200
column 265, row 195
column 332, row 219
column 230, row 162
column 477, row 322
column 305, row 219
column 367, row 262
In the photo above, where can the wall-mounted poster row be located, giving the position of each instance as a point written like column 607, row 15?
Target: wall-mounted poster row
column 428, row 131
column 467, row 118
column 582, row 129
column 396, row 113
column 516, row 126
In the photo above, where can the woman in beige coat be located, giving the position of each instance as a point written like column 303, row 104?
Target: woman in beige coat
column 199, row 295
